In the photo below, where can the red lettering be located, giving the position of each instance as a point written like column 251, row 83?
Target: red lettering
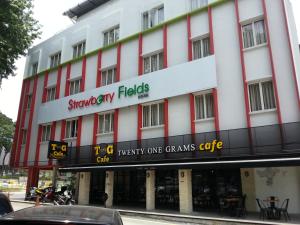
column 70, row 104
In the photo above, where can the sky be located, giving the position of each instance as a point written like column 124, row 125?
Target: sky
column 49, row 14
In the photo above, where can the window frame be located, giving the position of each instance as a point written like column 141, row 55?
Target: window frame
column 48, row 136
column 150, row 105
column 261, row 96
column 29, row 101
column 106, row 70
column 24, row 136
column 76, row 129
column 111, row 115
column 204, row 94
column 74, row 81
column 149, row 13
column 149, row 56
column 199, row 6
column 116, row 37
column 55, row 59
column 201, row 39
column 252, row 23
column 76, row 53
column 34, row 68
column 47, row 93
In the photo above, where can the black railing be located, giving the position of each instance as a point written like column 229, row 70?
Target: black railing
column 265, row 141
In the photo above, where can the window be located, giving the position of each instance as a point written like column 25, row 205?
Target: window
column 201, row 48
column 108, row 76
column 71, row 128
column 34, row 68
column 111, row 36
column 55, row 60
column 153, row 17
column 195, row 4
column 204, row 104
column 261, row 96
column 78, row 49
column 153, row 63
column 106, row 123
column 75, row 86
column 254, row 34
column 29, row 100
column 153, row 115
column 51, row 94
column 24, row 136
column 46, row 131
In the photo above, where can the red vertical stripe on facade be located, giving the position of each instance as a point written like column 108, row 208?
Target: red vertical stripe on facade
column 139, row 128
column 165, row 45
column 58, row 82
column 63, row 130
column 116, row 125
column 118, row 76
column 17, row 130
column 67, row 87
column 291, row 51
column 246, row 97
column 38, row 141
column 95, row 128
column 189, row 36
column 44, row 98
column 272, row 62
column 78, row 139
column 192, row 113
column 52, row 138
column 83, row 74
column 24, row 110
column 28, row 140
column 140, row 63
column 99, row 65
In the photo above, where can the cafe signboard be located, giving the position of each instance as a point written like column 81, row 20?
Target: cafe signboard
column 57, row 150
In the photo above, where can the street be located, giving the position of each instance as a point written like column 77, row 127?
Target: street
column 127, row 220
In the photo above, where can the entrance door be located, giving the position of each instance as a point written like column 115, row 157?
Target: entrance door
column 97, row 188
column 130, row 188
column 166, row 189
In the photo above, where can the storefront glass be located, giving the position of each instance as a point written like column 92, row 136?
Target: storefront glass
column 97, row 188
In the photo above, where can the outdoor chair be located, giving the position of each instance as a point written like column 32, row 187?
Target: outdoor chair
column 224, row 206
column 283, row 210
column 264, row 211
column 241, row 209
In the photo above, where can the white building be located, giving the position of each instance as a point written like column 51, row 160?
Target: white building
column 200, row 99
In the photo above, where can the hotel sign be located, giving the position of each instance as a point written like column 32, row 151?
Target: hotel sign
column 177, row 80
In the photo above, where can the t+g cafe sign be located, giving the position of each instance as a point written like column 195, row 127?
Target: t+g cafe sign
column 57, row 150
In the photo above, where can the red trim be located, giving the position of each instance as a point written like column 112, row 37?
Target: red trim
column 37, row 152
column 95, row 128
column 192, row 113
column 246, row 97
column 216, row 109
column 211, row 32
column 16, row 134
column 290, row 50
column 44, row 99
column 99, row 65
column 166, row 117
column 78, row 139
column 165, row 45
column 272, row 63
column 83, row 74
column 52, row 138
column 63, row 130
column 189, row 34
column 140, row 64
column 58, row 82
column 118, row 75
column 28, row 139
column 116, row 125
column 24, row 110
column 67, row 86
column 139, row 128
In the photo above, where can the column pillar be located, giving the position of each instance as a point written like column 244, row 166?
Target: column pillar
column 185, row 190
column 150, row 189
column 109, row 188
column 248, row 187
column 84, row 188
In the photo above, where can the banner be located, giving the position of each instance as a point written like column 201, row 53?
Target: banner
column 57, row 150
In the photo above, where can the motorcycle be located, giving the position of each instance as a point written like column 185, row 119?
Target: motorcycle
column 63, row 197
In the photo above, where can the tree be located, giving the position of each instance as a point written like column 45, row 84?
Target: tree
column 18, row 29
column 7, row 128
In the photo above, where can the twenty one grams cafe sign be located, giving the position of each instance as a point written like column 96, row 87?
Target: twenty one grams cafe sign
column 177, row 80
column 140, row 90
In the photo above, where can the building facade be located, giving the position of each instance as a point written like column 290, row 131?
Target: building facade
column 167, row 104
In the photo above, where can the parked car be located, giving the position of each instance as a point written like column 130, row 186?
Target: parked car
column 5, row 205
column 83, row 215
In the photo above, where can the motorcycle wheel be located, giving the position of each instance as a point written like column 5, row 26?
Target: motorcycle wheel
column 55, row 202
column 69, row 202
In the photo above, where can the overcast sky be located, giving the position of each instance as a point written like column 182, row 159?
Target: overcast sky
column 49, row 15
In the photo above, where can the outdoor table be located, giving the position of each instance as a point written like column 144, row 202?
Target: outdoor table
column 273, row 213
column 233, row 202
